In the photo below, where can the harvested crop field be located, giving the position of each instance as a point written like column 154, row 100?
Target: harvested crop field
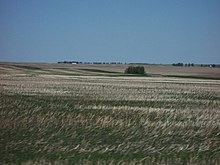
column 70, row 114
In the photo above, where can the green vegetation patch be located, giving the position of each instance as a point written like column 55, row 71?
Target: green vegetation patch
column 98, row 71
column 135, row 70
column 28, row 67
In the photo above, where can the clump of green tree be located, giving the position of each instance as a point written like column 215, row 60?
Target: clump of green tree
column 135, row 70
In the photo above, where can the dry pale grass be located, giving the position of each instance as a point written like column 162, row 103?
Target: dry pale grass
column 50, row 118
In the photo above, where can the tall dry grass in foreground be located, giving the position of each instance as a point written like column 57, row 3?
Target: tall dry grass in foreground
column 108, row 120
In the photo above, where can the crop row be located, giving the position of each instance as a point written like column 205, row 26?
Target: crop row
column 99, row 120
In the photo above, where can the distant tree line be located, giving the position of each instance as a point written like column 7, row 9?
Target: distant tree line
column 97, row 63
column 77, row 62
column 135, row 70
column 209, row 65
column 106, row 63
column 181, row 64
column 192, row 64
column 68, row 62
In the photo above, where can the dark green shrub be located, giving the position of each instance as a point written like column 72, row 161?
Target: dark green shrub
column 135, row 70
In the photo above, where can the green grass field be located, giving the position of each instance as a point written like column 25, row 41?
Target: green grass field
column 65, row 114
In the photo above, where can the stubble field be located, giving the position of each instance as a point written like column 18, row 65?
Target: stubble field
column 69, row 114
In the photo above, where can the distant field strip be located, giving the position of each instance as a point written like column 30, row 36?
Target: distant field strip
column 98, row 70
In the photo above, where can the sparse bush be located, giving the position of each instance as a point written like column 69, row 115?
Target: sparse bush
column 135, row 70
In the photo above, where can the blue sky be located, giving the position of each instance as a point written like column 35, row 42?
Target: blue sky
column 151, row 31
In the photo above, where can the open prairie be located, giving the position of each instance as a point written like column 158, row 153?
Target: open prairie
column 96, row 114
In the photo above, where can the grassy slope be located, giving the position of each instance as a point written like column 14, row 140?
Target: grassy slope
column 114, row 70
column 108, row 120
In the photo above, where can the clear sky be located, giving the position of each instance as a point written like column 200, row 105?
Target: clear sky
column 150, row 31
